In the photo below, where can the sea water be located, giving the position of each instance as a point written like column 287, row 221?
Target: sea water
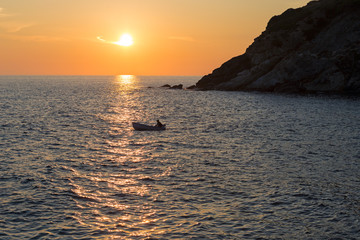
column 231, row 165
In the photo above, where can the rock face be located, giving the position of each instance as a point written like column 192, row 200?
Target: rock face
column 311, row 49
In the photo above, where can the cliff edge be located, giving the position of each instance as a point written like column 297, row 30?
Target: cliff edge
column 315, row 48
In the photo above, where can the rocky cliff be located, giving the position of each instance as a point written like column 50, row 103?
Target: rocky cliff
column 315, row 48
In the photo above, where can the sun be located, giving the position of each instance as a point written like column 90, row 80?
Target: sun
column 125, row 40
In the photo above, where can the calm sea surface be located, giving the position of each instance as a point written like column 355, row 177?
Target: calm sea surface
column 231, row 165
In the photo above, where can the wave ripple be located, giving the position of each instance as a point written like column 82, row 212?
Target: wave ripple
column 230, row 166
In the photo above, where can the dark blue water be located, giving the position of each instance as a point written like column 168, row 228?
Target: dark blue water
column 231, row 165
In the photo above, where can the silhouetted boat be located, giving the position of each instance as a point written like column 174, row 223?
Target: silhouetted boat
column 144, row 127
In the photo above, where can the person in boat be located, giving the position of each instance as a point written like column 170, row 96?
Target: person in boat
column 158, row 124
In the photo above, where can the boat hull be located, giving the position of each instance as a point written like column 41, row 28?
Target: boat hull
column 144, row 127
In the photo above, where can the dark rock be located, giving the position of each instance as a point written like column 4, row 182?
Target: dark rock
column 166, row 86
column 311, row 49
column 180, row 86
column 227, row 71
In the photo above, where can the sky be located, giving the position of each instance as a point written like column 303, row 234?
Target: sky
column 170, row 37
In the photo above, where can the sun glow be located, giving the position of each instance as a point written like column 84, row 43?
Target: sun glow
column 125, row 40
column 125, row 79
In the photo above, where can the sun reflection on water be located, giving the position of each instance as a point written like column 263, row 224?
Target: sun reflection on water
column 126, row 81
column 115, row 196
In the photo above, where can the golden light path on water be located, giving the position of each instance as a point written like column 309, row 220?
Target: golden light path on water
column 116, row 201
column 125, row 80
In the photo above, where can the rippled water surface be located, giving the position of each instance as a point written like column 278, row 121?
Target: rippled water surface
column 231, row 165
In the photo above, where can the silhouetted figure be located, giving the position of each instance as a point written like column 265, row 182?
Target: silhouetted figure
column 158, row 124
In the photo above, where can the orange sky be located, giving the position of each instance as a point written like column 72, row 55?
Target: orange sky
column 171, row 37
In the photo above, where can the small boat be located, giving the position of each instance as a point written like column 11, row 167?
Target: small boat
column 144, row 127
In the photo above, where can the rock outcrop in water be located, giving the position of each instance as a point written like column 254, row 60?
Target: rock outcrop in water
column 180, row 86
column 311, row 49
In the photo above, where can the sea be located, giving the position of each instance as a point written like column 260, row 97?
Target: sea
column 230, row 165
